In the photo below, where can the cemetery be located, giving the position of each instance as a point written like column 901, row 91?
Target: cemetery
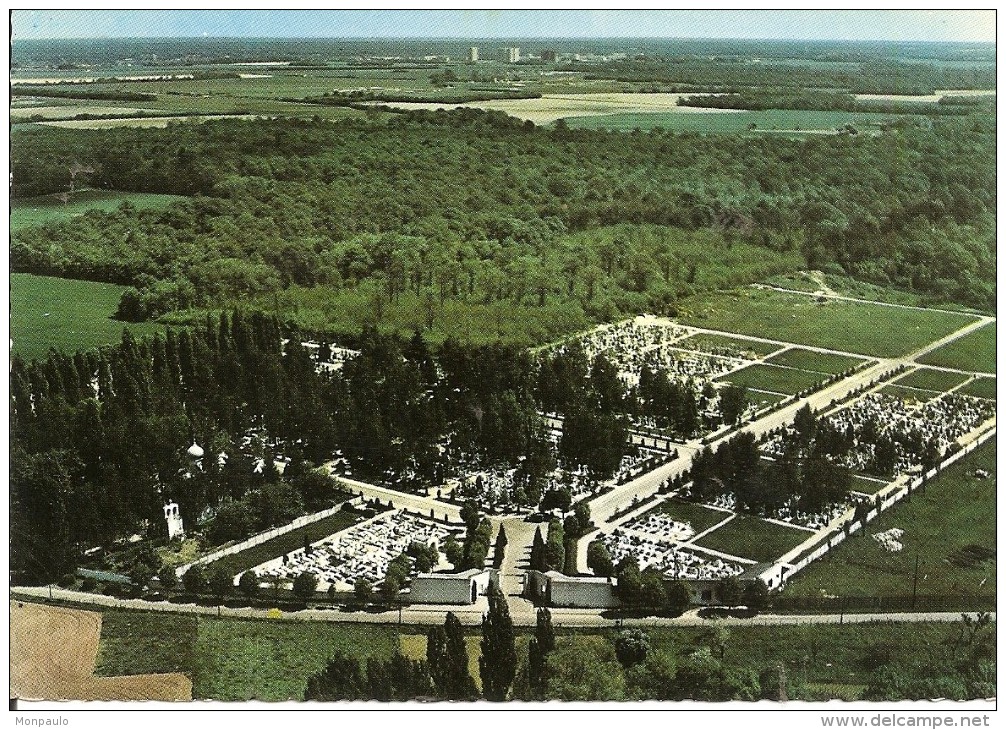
column 675, row 560
column 361, row 552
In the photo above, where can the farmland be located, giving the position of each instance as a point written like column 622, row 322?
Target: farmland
column 855, row 327
column 231, row 659
column 65, row 314
column 975, row 352
column 950, row 527
column 768, row 122
column 48, row 209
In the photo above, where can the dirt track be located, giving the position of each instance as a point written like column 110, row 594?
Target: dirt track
column 53, row 652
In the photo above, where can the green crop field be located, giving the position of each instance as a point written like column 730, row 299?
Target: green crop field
column 232, row 659
column 48, row 209
column 854, row 327
column 818, row 362
column 258, row 554
column 733, row 122
column 774, row 379
column 929, row 379
column 701, row 518
column 65, row 314
column 754, row 538
column 975, row 352
column 980, row 388
column 951, row 528
column 727, row 345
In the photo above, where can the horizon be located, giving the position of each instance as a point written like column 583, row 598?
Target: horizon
column 883, row 26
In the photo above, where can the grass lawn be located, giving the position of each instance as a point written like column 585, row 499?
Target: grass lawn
column 48, row 209
column 818, row 362
column 258, row 554
column 929, row 379
column 854, row 327
column 413, row 646
column 753, row 538
column 699, row 517
column 65, row 314
column 950, row 528
column 980, row 388
column 867, row 486
column 909, row 395
column 727, row 345
column 774, row 379
column 975, row 352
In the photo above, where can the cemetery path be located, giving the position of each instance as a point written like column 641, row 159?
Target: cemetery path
column 520, row 535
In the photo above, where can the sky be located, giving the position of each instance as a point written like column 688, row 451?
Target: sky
column 894, row 25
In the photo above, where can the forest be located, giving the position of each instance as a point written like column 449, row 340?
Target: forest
column 477, row 207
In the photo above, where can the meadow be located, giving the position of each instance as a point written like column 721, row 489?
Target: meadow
column 909, row 395
column 866, row 485
column 65, row 314
column 975, row 352
column 855, row 327
column 950, row 527
column 38, row 211
column 818, row 362
column 754, row 538
column 773, row 379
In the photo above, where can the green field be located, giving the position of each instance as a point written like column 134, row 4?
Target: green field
column 753, row 538
column 775, row 379
column 950, row 528
column 854, row 327
column 288, row 542
column 47, row 209
column 818, row 362
column 232, row 659
column 65, row 314
column 867, row 486
column 699, row 517
column 980, row 388
column 975, row 352
column 727, row 345
column 764, row 399
column 909, row 395
column 929, row 379
column 766, row 122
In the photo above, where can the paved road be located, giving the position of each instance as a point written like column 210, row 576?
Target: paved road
column 520, row 536
column 471, row 616
column 403, row 500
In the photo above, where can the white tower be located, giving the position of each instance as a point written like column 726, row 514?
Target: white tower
column 473, row 54
column 175, row 526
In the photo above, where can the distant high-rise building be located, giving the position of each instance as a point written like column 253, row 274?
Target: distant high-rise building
column 511, row 55
column 548, row 56
column 473, row 54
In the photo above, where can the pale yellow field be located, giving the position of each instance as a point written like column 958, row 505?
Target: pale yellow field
column 932, row 98
column 157, row 122
column 551, row 107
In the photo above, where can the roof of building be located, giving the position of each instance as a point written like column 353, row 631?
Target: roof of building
column 555, row 575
